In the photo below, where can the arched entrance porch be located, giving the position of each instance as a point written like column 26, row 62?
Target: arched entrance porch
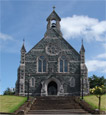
column 52, row 86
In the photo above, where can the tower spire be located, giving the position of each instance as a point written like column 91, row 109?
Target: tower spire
column 23, row 40
column 82, row 47
column 82, row 41
column 23, row 47
column 82, row 53
column 23, row 52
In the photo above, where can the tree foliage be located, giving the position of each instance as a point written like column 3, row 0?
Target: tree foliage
column 98, row 91
column 96, row 81
column 9, row 91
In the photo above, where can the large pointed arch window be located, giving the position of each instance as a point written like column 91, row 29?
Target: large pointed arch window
column 41, row 64
column 63, row 64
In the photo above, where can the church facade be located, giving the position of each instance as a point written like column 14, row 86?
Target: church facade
column 52, row 66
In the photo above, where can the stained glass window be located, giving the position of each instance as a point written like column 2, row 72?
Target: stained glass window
column 41, row 64
column 63, row 64
column 44, row 65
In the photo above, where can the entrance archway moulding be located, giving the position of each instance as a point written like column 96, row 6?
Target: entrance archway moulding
column 44, row 91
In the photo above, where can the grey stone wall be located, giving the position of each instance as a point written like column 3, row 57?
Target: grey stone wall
column 69, row 81
column 52, row 61
column 64, row 79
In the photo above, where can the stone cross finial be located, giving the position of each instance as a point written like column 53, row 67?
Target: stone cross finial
column 23, row 40
column 54, row 7
column 82, row 40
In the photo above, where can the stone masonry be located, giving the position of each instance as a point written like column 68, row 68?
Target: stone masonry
column 52, row 66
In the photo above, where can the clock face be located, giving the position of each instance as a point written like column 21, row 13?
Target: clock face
column 52, row 49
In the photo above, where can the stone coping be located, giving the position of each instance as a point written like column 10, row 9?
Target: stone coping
column 25, row 107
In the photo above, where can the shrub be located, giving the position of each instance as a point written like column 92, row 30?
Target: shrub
column 9, row 91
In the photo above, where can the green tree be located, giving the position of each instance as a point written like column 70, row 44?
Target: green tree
column 9, row 91
column 96, row 81
column 98, row 91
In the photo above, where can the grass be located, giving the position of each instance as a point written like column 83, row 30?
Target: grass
column 93, row 101
column 9, row 104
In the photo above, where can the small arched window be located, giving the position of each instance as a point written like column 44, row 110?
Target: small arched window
column 41, row 64
column 63, row 64
column 32, row 82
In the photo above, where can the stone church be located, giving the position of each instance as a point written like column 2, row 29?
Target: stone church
column 52, row 66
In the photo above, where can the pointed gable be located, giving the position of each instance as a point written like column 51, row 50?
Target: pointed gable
column 54, row 36
column 53, row 16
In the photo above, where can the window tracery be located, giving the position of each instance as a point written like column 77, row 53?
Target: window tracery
column 41, row 64
column 63, row 64
column 52, row 49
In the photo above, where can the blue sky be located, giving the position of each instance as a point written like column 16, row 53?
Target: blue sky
column 27, row 19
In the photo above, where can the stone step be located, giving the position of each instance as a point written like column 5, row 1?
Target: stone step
column 56, row 105
column 44, row 103
column 47, row 107
column 55, row 97
column 68, row 111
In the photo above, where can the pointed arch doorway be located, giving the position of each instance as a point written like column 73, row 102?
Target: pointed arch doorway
column 52, row 88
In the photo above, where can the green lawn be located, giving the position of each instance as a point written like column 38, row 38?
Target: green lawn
column 93, row 101
column 11, row 103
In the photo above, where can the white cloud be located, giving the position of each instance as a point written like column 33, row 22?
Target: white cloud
column 104, row 45
column 8, row 43
column 83, row 26
column 96, row 65
column 101, row 56
column 5, row 37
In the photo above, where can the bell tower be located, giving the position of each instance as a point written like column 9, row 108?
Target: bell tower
column 53, row 20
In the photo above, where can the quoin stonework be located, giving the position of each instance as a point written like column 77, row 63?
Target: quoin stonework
column 52, row 66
